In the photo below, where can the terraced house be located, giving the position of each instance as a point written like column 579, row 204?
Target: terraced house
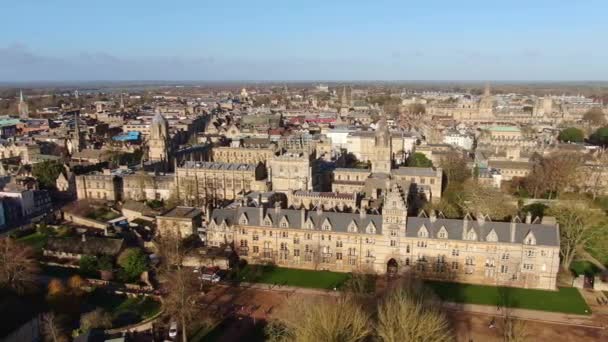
column 520, row 254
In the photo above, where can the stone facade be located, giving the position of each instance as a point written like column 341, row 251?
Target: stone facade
column 100, row 186
column 243, row 155
column 183, row 221
column 197, row 181
column 471, row 251
column 143, row 186
column 325, row 200
column 291, row 171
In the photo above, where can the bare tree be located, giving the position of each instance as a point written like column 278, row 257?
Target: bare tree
column 53, row 328
column 98, row 318
column 486, row 200
column 306, row 319
column 18, row 265
column 409, row 313
column 180, row 284
column 554, row 173
column 513, row 330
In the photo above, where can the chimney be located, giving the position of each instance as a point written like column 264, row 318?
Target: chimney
column 481, row 219
column 513, row 227
column 362, row 212
column 433, row 216
column 302, row 216
column 84, row 238
column 529, row 218
column 277, row 207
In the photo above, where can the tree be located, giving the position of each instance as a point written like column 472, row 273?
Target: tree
column 96, row 319
column 600, row 137
column 47, row 173
column 455, row 167
column 18, row 266
column 410, row 314
column 416, row 108
column 53, row 328
column 553, row 174
column 182, row 287
column 133, row 262
column 306, row 319
column 595, row 116
column 485, row 200
column 88, row 265
column 571, row 134
column 578, row 225
column 419, row 160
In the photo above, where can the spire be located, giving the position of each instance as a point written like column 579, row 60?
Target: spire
column 486, row 91
column 76, row 141
column 21, row 96
column 122, row 102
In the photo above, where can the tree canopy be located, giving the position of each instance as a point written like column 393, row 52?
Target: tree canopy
column 419, row 160
column 595, row 116
column 600, row 136
column 571, row 134
column 47, row 173
column 133, row 262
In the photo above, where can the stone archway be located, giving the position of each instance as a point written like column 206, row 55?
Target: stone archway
column 392, row 267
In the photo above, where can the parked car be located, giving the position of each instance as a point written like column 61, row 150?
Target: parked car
column 173, row 330
column 212, row 277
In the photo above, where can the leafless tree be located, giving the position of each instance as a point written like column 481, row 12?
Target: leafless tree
column 410, row 313
column 306, row 319
column 181, row 285
column 97, row 318
column 18, row 265
column 486, row 200
column 53, row 328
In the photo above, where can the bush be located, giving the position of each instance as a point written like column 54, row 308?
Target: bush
column 133, row 262
column 96, row 319
column 571, row 134
column 88, row 265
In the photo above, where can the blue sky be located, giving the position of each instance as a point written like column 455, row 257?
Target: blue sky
column 303, row 40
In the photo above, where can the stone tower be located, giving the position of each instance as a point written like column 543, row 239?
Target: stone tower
column 23, row 107
column 159, row 137
column 76, row 140
column 381, row 161
column 394, row 210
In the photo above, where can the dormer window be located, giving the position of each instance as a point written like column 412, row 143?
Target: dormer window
column 423, row 232
column 443, row 233
column 371, row 228
column 268, row 221
column 284, row 223
column 326, row 225
column 243, row 221
column 492, row 237
column 530, row 239
column 352, row 227
column 471, row 235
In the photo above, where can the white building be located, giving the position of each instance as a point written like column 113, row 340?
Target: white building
column 464, row 141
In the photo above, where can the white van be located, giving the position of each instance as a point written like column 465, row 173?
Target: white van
column 214, row 278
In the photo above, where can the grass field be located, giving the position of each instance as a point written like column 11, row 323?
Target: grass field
column 35, row 240
column 124, row 310
column 292, row 277
column 566, row 299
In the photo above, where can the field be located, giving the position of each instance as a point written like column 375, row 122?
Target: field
column 566, row 299
column 292, row 277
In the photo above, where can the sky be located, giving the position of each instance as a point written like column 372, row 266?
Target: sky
column 61, row 40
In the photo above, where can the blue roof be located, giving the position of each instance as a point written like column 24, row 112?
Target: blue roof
column 128, row 136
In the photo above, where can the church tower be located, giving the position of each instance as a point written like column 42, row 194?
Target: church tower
column 76, row 140
column 382, row 160
column 24, row 112
column 394, row 211
column 159, row 137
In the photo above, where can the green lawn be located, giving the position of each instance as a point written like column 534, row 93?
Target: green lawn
column 35, row 240
column 102, row 214
column 292, row 277
column 124, row 310
column 566, row 299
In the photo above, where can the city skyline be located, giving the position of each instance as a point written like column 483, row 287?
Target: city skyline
column 303, row 42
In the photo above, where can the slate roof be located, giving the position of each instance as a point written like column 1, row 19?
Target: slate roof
column 297, row 219
column 92, row 245
column 506, row 232
column 415, row 171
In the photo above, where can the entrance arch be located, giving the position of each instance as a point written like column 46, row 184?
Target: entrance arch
column 392, row 267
